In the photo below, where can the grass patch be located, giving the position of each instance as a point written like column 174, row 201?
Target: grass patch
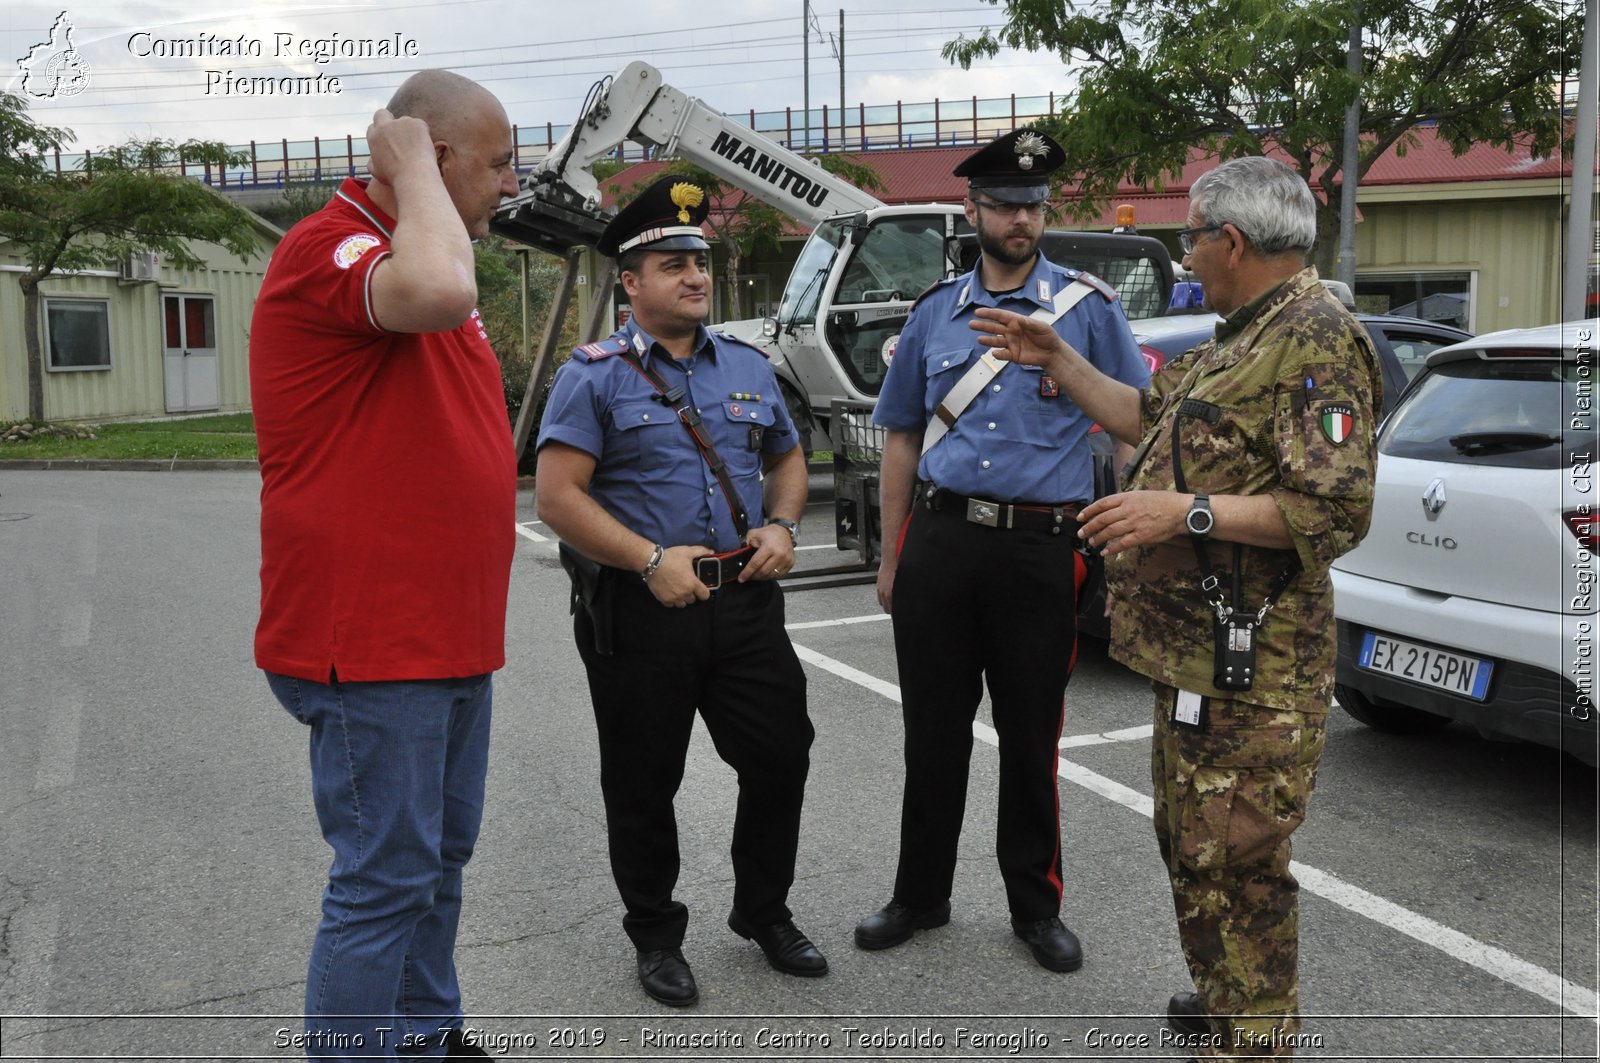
column 227, row 435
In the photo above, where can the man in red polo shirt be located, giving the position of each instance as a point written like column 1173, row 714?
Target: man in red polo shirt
column 387, row 506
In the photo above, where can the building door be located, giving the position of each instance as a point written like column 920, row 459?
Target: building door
column 189, row 357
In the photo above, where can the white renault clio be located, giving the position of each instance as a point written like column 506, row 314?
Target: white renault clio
column 1473, row 597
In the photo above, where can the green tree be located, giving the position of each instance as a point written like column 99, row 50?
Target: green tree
column 121, row 200
column 499, row 274
column 1158, row 78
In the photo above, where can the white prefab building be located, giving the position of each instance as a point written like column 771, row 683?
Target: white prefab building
column 142, row 340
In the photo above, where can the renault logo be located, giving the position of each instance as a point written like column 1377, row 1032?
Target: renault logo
column 1433, row 499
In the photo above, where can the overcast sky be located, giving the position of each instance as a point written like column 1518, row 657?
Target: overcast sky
column 539, row 56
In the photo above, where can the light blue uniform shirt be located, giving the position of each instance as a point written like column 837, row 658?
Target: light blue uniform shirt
column 648, row 473
column 1022, row 439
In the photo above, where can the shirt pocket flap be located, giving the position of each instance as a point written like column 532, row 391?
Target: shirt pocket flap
column 641, row 413
column 946, row 361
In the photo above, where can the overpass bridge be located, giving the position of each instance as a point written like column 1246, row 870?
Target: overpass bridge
column 274, row 165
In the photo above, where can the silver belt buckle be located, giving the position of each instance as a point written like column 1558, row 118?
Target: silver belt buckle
column 980, row 512
column 709, row 570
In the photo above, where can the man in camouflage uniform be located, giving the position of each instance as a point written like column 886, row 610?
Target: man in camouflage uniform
column 1271, row 478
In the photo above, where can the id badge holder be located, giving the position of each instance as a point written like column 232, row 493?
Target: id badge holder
column 1190, row 710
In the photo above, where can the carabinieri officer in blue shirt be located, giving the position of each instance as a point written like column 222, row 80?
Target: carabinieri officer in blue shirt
column 982, row 474
column 670, row 469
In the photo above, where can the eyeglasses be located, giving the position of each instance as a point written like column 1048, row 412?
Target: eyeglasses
column 1011, row 210
column 1186, row 236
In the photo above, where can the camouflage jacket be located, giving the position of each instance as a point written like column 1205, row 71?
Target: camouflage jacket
column 1293, row 395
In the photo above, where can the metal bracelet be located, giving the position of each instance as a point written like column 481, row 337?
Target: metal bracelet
column 655, row 563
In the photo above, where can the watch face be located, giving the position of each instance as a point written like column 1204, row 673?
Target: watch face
column 1199, row 521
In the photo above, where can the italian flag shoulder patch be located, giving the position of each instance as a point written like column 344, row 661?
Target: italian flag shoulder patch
column 1338, row 423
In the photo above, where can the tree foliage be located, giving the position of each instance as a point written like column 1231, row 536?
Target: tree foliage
column 301, row 199
column 1158, row 78
column 120, row 201
column 499, row 274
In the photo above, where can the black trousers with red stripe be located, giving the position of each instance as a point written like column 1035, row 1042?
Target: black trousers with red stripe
column 974, row 603
column 730, row 659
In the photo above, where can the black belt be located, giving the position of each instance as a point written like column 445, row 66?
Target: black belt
column 714, row 570
column 1026, row 516
column 718, row 570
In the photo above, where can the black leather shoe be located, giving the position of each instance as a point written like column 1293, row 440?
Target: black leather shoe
column 1054, row 946
column 665, row 975
column 787, row 949
column 1187, row 1015
column 456, row 1046
column 895, row 923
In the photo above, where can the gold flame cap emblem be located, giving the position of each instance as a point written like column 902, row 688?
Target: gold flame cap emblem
column 684, row 196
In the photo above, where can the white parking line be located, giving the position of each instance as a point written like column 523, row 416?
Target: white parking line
column 1567, row 995
column 844, row 671
column 808, row 624
column 529, row 533
column 1104, row 738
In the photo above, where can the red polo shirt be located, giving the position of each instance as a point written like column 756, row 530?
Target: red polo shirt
column 388, row 488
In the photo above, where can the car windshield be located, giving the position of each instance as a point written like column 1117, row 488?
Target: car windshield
column 899, row 258
column 1504, row 411
column 1411, row 348
column 806, row 280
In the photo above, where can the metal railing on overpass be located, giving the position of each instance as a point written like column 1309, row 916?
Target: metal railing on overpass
column 942, row 123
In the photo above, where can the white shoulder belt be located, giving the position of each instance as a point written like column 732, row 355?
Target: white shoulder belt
column 988, row 367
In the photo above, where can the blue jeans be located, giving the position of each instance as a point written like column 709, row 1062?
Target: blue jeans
column 397, row 776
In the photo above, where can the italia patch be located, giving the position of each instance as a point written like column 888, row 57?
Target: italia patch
column 1048, row 388
column 351, row 248
column 1338, row 423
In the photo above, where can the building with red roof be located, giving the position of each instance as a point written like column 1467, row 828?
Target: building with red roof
column 1474, row 239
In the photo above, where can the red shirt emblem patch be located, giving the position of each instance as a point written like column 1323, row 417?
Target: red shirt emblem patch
column 351, row 248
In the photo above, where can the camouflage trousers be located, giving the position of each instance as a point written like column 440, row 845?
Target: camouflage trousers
column 1227, row 797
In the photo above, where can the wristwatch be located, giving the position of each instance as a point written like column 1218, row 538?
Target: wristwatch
column 1199, row 520
column 789, row 526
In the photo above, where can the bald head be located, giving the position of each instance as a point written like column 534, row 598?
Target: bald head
column 472, row 143
column 447, row 102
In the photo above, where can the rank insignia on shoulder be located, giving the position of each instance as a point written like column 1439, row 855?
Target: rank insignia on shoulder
column 1048, row 388
column 593, row 352
column 1338, row 423
column 1098, row 285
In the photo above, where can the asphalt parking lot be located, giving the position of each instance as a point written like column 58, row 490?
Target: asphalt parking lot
column 160, row 863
